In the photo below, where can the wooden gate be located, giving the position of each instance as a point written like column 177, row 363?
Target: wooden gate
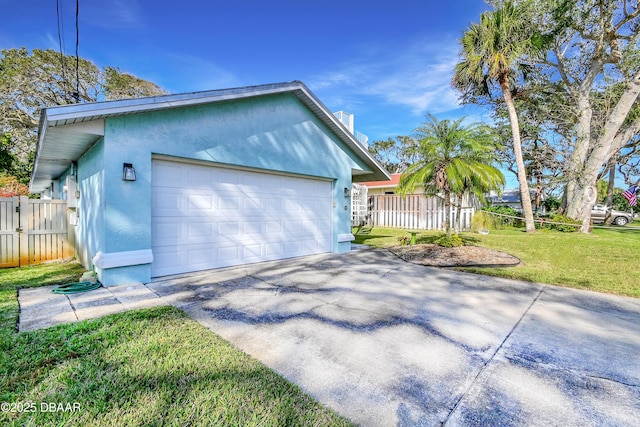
column 9, row 232
column 33, row 231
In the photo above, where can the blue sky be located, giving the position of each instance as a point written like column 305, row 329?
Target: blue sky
column 386, row 62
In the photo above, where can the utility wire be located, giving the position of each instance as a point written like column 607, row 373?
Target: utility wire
column 62, row 59
column 77, row 92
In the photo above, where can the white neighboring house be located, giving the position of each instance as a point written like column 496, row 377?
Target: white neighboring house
column 386, row 208
column 376, row 188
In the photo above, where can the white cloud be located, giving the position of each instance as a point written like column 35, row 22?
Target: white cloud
column 416, row 76
column 51, row 42
column 190, row 74
column 114, row 14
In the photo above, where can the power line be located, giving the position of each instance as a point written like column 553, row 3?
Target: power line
column 77, row 92
column 60, row 44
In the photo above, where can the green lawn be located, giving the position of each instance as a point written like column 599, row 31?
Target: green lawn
column 605, row 261
column 143, row 367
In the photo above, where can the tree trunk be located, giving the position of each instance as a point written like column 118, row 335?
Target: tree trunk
column 525, row 196
column 459, row 214
column 579, row 155
column 447, row 213
column 581, row 188
column 612, row 184
column 609, row 200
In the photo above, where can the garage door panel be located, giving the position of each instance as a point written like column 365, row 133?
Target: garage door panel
column 229, row 255
column 292, row 247
column 250, row 228
column 200, row 257
column 167, row 257
column 229, row 228
column 315, row 244
column 252, row 251
column 200, row 202
column 251, row 205
column 200, row 231
column 323, row 227
column 167, row 202
column 273, row 227
column 200, row 177
column 179, row 202
column 207, row 217
column 273, row 205
column 293, row 226
column 273, row 249
column 167, row 231
column 227, row 179
column 167, row 174
column 228, row 202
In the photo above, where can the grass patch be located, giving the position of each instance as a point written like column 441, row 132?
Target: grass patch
column 145, row 367
column 605, row 261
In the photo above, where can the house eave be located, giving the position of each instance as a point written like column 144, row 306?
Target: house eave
column 53, row 165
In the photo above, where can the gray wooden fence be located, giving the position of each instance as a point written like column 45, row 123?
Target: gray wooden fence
column 414, row 212
column 33, row 231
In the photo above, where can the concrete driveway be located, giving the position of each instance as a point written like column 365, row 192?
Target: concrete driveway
column 387, row 343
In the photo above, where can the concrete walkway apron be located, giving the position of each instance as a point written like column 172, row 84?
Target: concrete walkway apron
column 387, row 343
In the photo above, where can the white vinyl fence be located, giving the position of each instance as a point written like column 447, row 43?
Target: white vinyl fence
column 359, row 207
column 414, row 212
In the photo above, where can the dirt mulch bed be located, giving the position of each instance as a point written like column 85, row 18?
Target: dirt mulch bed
column 463, row 256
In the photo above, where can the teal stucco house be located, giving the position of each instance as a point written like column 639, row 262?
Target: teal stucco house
column 180, row 183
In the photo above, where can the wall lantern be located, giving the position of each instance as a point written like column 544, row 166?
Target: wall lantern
column 347, row 192
column 128, row 172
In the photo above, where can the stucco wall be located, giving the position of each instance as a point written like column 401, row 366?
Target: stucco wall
column 90, row 230
column 273, row 133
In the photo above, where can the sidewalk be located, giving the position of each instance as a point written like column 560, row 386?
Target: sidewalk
column 41, row 308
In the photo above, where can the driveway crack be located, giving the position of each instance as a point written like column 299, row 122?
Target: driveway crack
column 490, row 359
column 597, row 377
column 73, row 307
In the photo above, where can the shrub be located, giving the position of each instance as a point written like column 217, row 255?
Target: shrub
column 484, row 221
column 404, row 240
column 449, row 242
column 503, row 220
column 563, row 223
column 552, row 204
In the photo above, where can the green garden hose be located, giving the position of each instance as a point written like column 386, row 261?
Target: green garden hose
column 76, row 288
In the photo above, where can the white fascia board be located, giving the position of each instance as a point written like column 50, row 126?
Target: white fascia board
column 41, row 128
column 83, row 112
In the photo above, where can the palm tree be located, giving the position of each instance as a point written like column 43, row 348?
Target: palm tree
column 453, row 159
column 491, row 52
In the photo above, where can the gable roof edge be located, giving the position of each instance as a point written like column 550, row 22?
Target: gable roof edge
column 57, row 116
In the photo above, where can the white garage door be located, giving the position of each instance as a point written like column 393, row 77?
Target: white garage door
column 208, row 217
